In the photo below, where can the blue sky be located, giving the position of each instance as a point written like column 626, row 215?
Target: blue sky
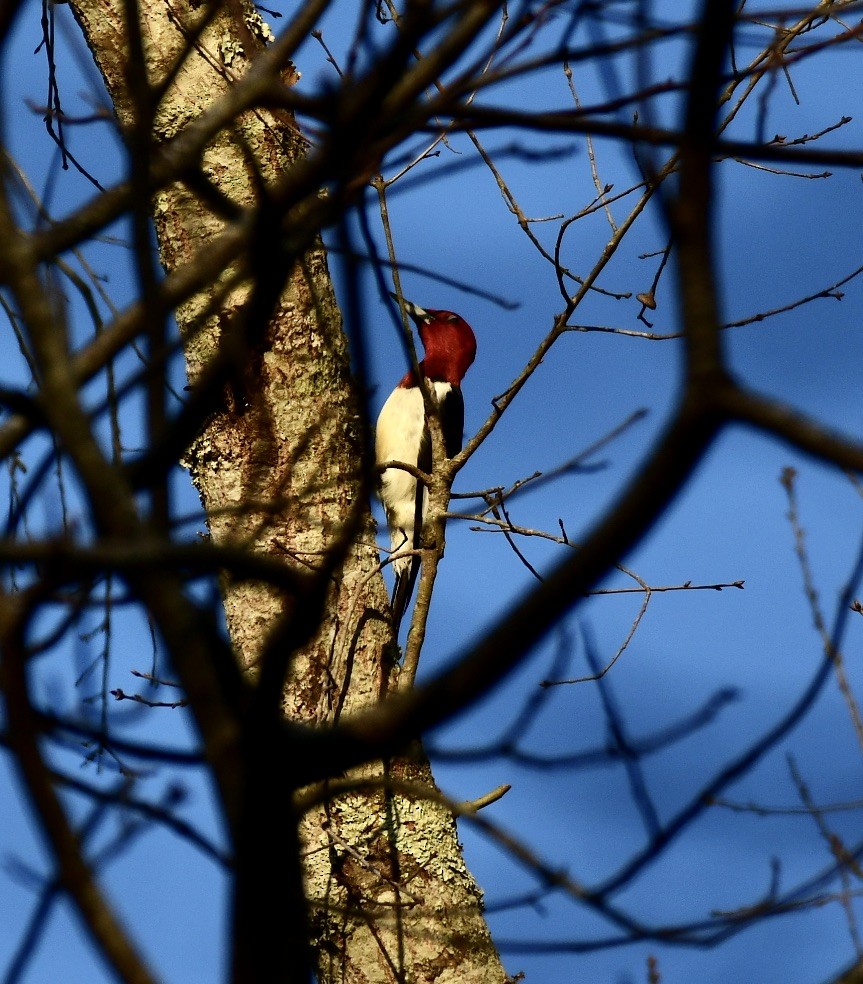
column 778, row 238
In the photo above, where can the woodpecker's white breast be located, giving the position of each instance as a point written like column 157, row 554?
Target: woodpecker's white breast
column 399, row 434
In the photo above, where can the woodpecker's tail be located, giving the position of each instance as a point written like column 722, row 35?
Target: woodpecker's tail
column 402, row 591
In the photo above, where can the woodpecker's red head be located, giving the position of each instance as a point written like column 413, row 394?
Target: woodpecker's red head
column 449, row 343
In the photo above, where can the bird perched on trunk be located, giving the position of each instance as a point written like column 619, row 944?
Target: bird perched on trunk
column 402, row 434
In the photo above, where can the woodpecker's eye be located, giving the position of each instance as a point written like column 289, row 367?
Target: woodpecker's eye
column 453, row 317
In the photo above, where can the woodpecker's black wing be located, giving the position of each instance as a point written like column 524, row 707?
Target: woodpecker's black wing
column 452, row 421
column 451, row 406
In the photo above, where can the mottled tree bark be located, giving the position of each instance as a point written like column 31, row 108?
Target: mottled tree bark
column 277, row 469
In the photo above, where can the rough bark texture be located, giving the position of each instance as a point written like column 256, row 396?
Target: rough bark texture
column 391, row 899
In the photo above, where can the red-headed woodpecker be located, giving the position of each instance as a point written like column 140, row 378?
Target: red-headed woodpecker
column 402, row 434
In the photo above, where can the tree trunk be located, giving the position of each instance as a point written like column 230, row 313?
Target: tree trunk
column 389, row 897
